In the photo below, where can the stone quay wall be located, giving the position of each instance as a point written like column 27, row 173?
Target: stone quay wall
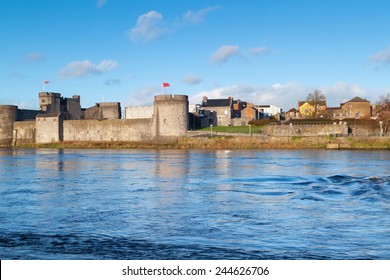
column 306, row 130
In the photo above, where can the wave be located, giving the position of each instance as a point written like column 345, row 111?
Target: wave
column 72, row 246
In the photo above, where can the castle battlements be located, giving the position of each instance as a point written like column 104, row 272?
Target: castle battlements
column 62, row 119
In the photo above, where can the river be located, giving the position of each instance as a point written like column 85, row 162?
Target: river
column 194, row 204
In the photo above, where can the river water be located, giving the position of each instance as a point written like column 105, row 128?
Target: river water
column 194, row 204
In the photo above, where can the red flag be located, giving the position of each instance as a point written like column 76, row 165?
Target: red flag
column 166, row 85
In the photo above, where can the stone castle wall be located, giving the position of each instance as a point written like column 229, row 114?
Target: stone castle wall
column 49, row 129
column 24, row 133
column 8, row 115
column 107, row 130
column 170, row 120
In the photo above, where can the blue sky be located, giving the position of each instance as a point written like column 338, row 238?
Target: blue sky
column 265, row 52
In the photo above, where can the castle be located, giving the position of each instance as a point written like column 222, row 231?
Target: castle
column 62, row 119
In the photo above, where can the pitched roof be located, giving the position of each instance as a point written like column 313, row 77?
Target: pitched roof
column 217, row 103
column 321, row 103
column 300, row 103
column 357, row 99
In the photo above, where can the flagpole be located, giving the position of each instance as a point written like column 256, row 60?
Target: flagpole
column 163, row 85
column 44, row 85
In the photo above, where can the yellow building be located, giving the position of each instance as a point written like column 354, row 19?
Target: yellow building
column 310, row 110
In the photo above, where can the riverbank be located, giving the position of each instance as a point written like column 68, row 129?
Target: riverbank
column 234, row 142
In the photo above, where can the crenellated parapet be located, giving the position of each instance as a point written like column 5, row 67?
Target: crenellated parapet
column 170, row 118
column 169, row 121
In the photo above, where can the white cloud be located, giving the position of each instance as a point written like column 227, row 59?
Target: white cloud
column 112, row 82
column 149, row 27
column 25, row 104
column 258, row 50
column 286, row 95
column 16, row 76
column 100, row 3
column 223, row 54
column 86, row 68
column 198, row 17
column 192, row 80
column 381, row 57
column 106, row 65
column 342, row 92
column 248, row 93
column 34, row 56
column 144, row 96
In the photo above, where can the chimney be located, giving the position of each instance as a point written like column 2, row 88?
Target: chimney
column 204, row 101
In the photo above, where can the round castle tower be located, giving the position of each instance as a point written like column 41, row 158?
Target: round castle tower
column 170, row 115
column 8, row 115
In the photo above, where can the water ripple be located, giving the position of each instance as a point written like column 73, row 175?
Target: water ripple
column 171, row 204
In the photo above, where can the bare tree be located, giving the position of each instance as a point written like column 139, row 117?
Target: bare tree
column 384, row 113
column 318, row 100
column 383, row 99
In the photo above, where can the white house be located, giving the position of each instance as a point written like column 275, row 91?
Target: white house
column 269, row 110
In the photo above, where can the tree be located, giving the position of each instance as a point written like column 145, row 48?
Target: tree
column 384, row 112
column 384, row 100
column 318, row 100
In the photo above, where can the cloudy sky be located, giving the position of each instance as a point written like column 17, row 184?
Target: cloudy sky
column 266, row 52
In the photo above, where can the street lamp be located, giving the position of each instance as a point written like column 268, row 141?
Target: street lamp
column 211, row 130
column 380, row 129
column 334, row 129
column 291, row 129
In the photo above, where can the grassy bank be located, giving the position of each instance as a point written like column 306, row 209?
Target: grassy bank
column 233, row 129
column 231, row 142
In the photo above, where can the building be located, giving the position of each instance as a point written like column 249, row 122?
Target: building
column 292, row 114
column 103, row 111
column 48, row 128
column 336, row 113
column 218, row 111
column 53, row 103
column 200, row 117
column 225, row 112
column 311, row 110
column 169, row 121
column 269, row 111
column 247, row 114
column 357, row 108
column 143, row 112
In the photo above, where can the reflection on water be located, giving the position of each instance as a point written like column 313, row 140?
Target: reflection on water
column 173, row 204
